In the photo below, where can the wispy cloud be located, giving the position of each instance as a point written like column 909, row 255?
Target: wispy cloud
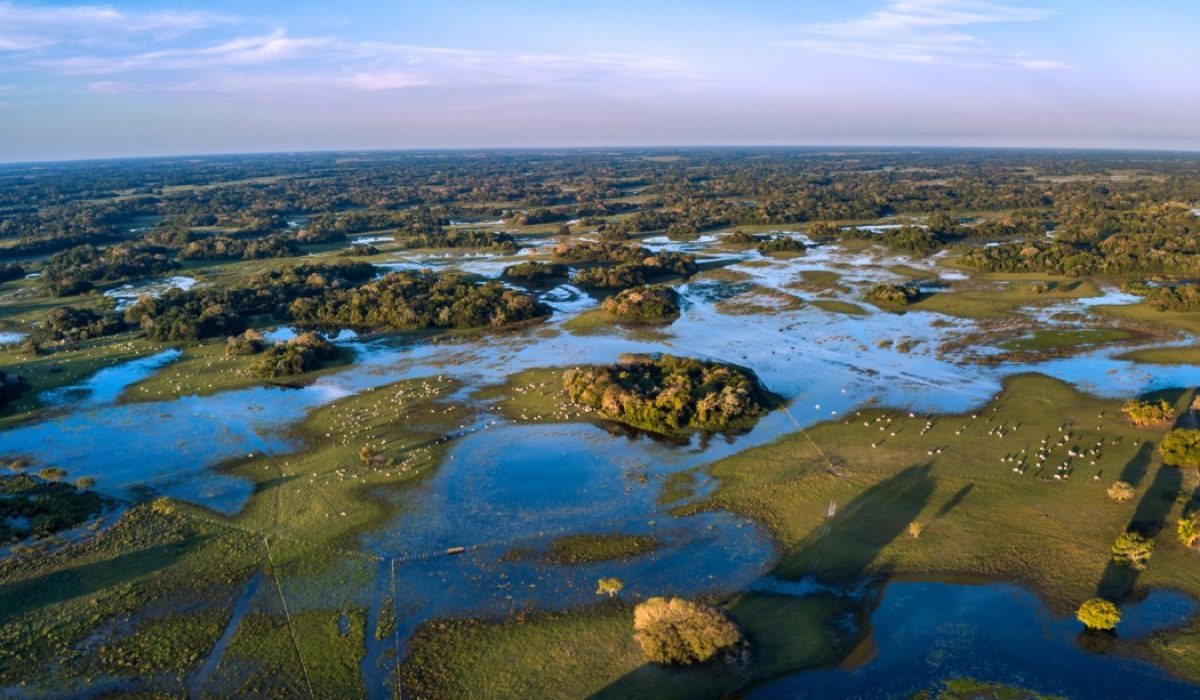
column 929, row 32
column 117, row 51
column 37, row 27
column 276, row 46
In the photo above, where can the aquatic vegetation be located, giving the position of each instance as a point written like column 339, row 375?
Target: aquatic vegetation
column 586, row 548
column 39, row 507
column 668, row 393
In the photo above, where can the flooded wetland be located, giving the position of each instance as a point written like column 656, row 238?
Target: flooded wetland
column 883, row 450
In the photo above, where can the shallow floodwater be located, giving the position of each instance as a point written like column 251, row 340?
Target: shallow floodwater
column 926, row 633
column 506, row 486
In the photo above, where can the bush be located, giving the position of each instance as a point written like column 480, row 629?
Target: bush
column 893, row 294
column 679, row 632
column 301, row 354
column 1133, row 550
column 248, row 343
column 1120, row 491
column 11, row 387
column 609, row 586
column 1098, row 614
column 1188, row 529
column 1181, row 448
column 1146, row 413
column 644, row 304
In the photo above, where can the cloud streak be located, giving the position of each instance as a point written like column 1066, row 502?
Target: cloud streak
column 928, row 32
column 39, row 27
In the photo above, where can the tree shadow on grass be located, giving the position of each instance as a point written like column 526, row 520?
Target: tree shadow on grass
column 1118, row 580
column 21, row 597
column 1135, row 469
column 847, row 544
column 954, row 501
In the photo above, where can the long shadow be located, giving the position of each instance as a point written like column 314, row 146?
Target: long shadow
column 21, row 597
column 844, row 547
column 1135, row 469
column 954, row 501
column 1118, row 580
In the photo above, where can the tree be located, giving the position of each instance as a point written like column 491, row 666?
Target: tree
column 1120, row 491
column 681, row 632
column 1189, row 529
column 1181, row 448
column 84, row 483
column 1132, row 549
column 1098, row 614
column 610, row 586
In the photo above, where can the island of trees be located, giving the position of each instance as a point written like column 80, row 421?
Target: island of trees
column 670, row 394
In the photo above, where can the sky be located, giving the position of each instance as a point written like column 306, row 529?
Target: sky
column 167, row 77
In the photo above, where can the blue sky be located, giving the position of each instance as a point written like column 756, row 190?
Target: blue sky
column 163, row 77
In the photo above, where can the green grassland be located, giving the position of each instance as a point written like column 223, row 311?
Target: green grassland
column 591, row 653
column 1188, row 321
column 1000, row 296
column 205, row 369
column 974, row 517
column 1184, row 355
column 147, row 599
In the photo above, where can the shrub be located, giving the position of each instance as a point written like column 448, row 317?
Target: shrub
column 301, row 354
column 609, row 586
column 680, row 632
column 1188, row 529
column 1133, row 550
column 1120, row 491
column 52, row 473
column 1181, row 448
column 11, row 387
column 893, row 294
column 84, row 483
column 1146, row 413
column 644, row 304
column 1098, row 614
column 248, row 343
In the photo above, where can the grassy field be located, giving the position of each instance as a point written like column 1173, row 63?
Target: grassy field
column 591, row 653
column 973, row 515
column 1059, row 339
column 148, row 599
column 999, row 296
column 1188, row 321
column 205, row 369
column 64, row 368
column 1184, row 355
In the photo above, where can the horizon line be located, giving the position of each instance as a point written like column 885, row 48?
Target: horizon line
column 577, row 148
